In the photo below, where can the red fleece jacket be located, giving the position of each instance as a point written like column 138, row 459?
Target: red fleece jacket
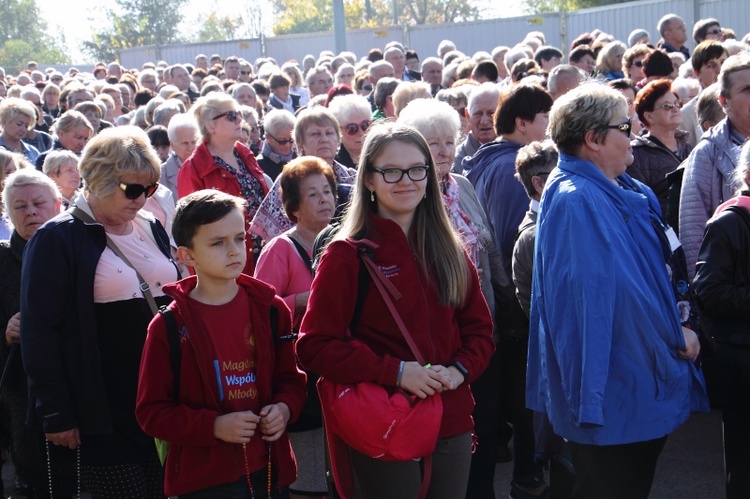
column 196, row 459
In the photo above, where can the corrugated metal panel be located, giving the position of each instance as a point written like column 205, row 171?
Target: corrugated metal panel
column 733, row 14
column 619, row 20
column 471, row 37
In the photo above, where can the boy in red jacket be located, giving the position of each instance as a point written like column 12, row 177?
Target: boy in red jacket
column 239, row 385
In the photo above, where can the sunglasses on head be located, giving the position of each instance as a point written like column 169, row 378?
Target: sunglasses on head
column 134, row 191
column 232, row 116
column 284, row 142
column 352, row 128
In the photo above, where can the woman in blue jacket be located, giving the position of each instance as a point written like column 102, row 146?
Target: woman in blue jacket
column 609, row 362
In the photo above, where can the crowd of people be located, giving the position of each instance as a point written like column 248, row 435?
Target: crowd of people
column 186, row 254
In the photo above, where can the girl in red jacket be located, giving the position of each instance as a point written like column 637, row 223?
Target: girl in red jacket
column 397, row 204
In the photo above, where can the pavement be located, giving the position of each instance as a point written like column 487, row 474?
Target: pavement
column 690, row 467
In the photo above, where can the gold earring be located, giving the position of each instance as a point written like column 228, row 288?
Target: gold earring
column 372, row 196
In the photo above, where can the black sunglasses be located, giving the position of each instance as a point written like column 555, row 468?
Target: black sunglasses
column 638, row 64
column 244, row 72
column 284, row 142
column 352, row 128
column 232, row 116
column 134, row 191
column 623, row 127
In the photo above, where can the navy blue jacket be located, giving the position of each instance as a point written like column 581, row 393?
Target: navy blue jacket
column 59, row 343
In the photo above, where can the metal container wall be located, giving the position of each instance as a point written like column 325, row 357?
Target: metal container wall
column 618, row 20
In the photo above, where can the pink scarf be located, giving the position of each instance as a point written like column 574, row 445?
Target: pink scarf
column 460, row 222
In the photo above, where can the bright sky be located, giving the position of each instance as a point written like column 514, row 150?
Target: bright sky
column 78, row 19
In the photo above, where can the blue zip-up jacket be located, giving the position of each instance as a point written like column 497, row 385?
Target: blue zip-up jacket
column 492, row 173
column 605, row 330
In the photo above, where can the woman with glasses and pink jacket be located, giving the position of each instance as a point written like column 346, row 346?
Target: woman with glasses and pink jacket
column 222, row 162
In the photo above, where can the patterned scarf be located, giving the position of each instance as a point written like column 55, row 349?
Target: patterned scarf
column 460, row 222
column 277, row 158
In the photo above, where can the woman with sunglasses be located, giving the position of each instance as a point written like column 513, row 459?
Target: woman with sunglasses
column 609, row 362
column 88, row 278
column 397, row 204
column 354, row 116
column 659, row 151
column 222, row 162
column 278, row 148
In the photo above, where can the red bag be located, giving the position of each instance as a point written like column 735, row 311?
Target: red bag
column 379, row 422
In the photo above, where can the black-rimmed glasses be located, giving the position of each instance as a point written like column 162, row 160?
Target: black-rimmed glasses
column 394, row 175
column 623, row 127
column 232, row 116
column 281, row 142
column 134, row 191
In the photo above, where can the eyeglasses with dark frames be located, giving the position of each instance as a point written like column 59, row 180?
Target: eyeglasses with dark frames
column 352, row 128
column 134, row 191
column 281, row 142
column 394, row 175
column 233, row 116
column 623, row 127
column 715, row 31
column 671, row 107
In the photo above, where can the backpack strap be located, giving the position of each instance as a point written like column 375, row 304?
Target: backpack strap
column 175, row 352
column 302, row 253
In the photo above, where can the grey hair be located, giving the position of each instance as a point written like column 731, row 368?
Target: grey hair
column 481, row 91
column 733, row 64
column 344, row 106
column 180, row 121
column 277, row 118
column 429, row 116
column 56, row 159
column 588, row 107
column 27, row 176
column 560, row 70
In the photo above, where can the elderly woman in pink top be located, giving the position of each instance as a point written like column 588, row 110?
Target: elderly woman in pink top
column 308, row 195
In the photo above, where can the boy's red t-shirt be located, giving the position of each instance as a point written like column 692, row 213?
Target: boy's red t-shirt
column 231, row 335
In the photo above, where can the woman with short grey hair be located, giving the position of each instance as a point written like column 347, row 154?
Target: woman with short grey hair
column 62, row 167
column 30, row 198
column 91, row 283
column 354, row 116
column 606, row 256
column 278, row 148
column 72, row 132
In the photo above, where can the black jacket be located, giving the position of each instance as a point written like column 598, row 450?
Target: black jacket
column 59, row 333
column 722, row 278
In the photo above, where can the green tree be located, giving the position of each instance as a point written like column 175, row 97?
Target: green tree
column 24, row 37
column 216, row 28
column 548, row 6
column 136, row 23
column 307, row 16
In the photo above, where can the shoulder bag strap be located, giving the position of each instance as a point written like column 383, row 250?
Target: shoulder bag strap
column 386, row 287
column 145, row 288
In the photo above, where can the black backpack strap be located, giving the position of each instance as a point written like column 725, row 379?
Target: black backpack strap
column 302, row 253
column 175, row 352
column 363, row 282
